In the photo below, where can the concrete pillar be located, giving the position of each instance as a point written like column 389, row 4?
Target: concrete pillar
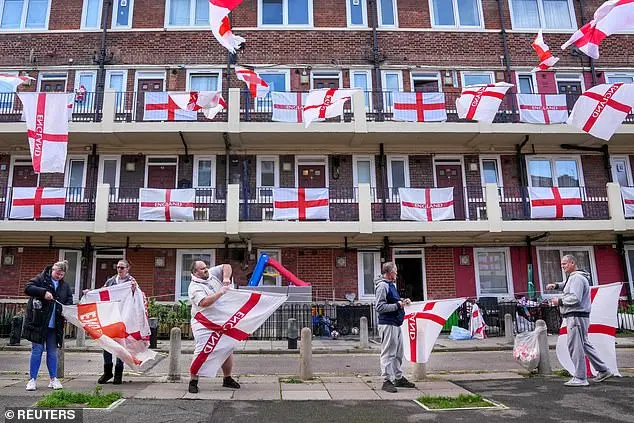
column 365, row 209
column 494, row 212
column 233, row 209
column 508, row 328
column 108, row 110
column 364, row 341
column 420, row 371
column 174, row 372
column 80, row 338
column 615, row 206
column 102, row 203
column 358, row 110
column 292, row 333
column 543, row 368
column 60, row 361
column 234, row 110
column 306, row 354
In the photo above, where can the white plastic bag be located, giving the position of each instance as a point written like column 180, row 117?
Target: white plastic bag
column 526, row 349
column 459, row 334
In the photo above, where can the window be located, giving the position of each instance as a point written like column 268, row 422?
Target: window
column 368, row 268
column 122, row 14
column 75, row 178
column 109, row 173
column 490, row 171
column 356, row 12
column 621, row 170
column 526, row 84
column 425, row 82
column 547, row 14
column 204, row 172
column 549, row 261
column 325, row 79
column 456, row 13
column 117, row 81
column 187, row 13
column 271, row 277
column 361, row 79
column 397, row 174
column 629, row 252
column 285, row 12
column 73, row 271
column 86, row 79
column 7, row 95
column 392, row 83
column 203, row 80
column 24, row 14
column 492, row 271
column 91, row 14
column 554, row 172
column 184, row 260
column 267, row 172
column 613, row 78
column 387, row 12
column 363, row 171
column 476, row 78
column 278, row 81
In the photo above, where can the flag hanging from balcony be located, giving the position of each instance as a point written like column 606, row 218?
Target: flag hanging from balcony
column 256, row 85
column 548, row 203
column 14, row 80
column 221, row 26
column 38, row 203
column 481, row 102
column 477, row 326
column 325, row 103
column 166, row 205
column 627, row 194
column 600, row 110
column 546, row 58
column 209, row 103
column 218, row 329
column 288, row 107
column 419, row 107
column 423, row 322
column 161, row 106
column 426, row 204
column 611, row 17
column 542, row 108
column 601, row 332
column 300, row 204
column 47, row 129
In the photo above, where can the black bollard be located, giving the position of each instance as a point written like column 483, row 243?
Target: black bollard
column 292, row 334
column 16, row 330
column 153, row 322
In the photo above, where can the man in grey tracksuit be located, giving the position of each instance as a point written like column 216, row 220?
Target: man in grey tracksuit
column 575, row 308
column 389, row 307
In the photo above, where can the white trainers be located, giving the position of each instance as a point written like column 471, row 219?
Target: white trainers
column 55, row 384
column 577, row 382
column 31, row 386
column 601, row 376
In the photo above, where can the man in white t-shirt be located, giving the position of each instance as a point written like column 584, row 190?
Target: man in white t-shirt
column 206, row 287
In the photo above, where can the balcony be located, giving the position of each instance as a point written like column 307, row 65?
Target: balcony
column 79, row 205
column 82, row 108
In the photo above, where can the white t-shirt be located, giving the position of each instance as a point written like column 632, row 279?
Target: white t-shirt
column 197, row 291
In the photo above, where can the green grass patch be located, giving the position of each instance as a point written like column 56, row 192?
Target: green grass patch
column 63, row 398
column 561, row 373
column 461, row 401
column 291, row 380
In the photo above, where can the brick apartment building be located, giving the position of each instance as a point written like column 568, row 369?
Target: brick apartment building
column 120, row 49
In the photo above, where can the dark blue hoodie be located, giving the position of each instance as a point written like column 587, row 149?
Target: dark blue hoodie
column 387, row 298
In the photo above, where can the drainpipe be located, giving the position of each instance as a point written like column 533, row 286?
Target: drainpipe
column 507, row 58
column 93, row 179
column 583, row 22
column 376, row 60
column 383, row 181
column 521, row 173
column 101, row 75
column 245, row 187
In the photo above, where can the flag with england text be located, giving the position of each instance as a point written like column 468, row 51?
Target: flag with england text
column 325, row 103
column 166, row 205
column 426, row 204
column 543, row 108
column 288, row 107
column 481, row 102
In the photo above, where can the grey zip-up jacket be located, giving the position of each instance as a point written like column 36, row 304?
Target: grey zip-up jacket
column 113, row 280
column 575, row 300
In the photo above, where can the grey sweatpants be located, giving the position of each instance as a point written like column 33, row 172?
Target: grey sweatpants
column 580, row 348
column 391, row 352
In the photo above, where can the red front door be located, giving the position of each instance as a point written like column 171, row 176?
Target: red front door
column 450, row 175
column 311, row 176
column 161, row 176
column 106, row 267
column 24, row 176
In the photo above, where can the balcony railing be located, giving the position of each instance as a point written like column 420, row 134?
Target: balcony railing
column 209, row 205
column 84, row 108
column 343, row 205
column 469, row 204
column 515, row 203
column 80, row 204
column 130, row 107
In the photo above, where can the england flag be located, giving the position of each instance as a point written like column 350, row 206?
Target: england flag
column 325, row 103
column 161, row 106
column 549, row 203
column 426, row 204
column 38, row 203
column 209, row 103
column 627, row 194
column 167, row 205
column 221, row 26
column 300, row 204
column 481, row 102
column 543, row 108
column 288, row 107
column 419, row 107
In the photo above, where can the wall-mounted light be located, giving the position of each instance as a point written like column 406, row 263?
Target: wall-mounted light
column 159, row 261
column 8, row 260
column 130, row 166
column 304, row 78
column 286, row 166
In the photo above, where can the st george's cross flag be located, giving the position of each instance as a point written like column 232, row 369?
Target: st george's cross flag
column 612, row 16
column 256, row 85
column 549, row 203
column 600, row 110
column 300, row 204
column 546, row 58
column 161, row 106
column 426, row 204
column 218, row 329
column 477, row 326
column 325, row 103
column 481, row 102
column 221, row 26
column 14, row 81
column 209, row 103
column 288, row 107
column 627, row 194
column 47, row 130
column 38, row 203
column 423, row 322
column 419, row 107
column 601, row 332
column 542, row 108
column 166, row 205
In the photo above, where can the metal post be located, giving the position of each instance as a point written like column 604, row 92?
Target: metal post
column 306, row 354
column 16, row 330
column 292, row 333
column 60, row 360
column 174, row 372
column 153, row 322
column 543, row 368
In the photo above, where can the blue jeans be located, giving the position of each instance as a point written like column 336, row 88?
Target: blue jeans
column 51, row 355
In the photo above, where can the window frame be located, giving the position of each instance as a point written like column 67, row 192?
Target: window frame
column 498, row 163
column 84, row 15
column 629, row 265
column 10, row 108
column 92, row 73
column 117, row 179
column 456, row 17
column 179, row 263
column 609, row 75
column 272, row 71
column 71, row 197
column 368, row 73
column 355, row 171
column 285, row 24
column 532, row 76
column 192, row 17
column 569, row 77
column 25, row 9
column 197, row 160
column 540, row 9
column 120, row 103
column 19, row 161
column 628, row 167
column 553, row 158
column 77, row 285
column 52, row 76
column 593, row 266
column 509, row 271
column 159, row 156
column 115, row 12
column 268, row 251
column 364, row 15
column 276, row 170
column 315, row 160
column 379, row 14
column 413, row 78
column 465, row 73
column 361, row 295
column 191, row 72
column 393, row 157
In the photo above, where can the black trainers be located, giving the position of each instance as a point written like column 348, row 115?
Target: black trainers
column 229, row 382
column 193, row 387
column 389, row 387
column 404, row 383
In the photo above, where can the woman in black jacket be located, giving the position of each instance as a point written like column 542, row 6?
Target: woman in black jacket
column 44, row 325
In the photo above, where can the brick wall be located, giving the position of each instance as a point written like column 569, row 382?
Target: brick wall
column 27, row 264
column 510, row 175
column 472, row 177
column 5, row 160
column 421, row 171
column 440, row 272
column 287, row 178
column 594, row 172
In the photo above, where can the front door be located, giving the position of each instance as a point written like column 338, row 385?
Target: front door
column 53, row 85
column 311, row 176
column 620, row 172
column 410, row 277
column 146, row 85
column 450, row 175
column 161, row 176
column 24, row 176
column 325, row 82
column 106, row 267
column 572, row 89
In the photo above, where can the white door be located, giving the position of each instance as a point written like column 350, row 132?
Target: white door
column 621, row 172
